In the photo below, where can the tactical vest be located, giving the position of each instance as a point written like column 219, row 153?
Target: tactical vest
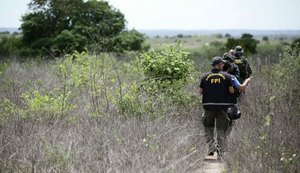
column 215, row 87
column 242, row 65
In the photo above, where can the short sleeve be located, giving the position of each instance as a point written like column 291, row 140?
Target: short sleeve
column 236, row 83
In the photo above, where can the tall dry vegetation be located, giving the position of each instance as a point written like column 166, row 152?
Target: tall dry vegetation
column 267, row 137
column 89, row 113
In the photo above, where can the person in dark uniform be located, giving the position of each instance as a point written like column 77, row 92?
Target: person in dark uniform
column 216, row 87
column 242, row 62
column 234, row 69
column 238, row 88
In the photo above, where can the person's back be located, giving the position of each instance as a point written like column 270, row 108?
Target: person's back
column 233, row 69
column 216, row 87
column 215, row 90
column 228, row 68
column 241, row 61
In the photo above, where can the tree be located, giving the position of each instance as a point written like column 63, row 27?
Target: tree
column 67, row 25
column 179, row 35
column 227, row 35
column 295, row 47
column 247, row 41
column 129, row 40
column 231, row 43
column 265, row 38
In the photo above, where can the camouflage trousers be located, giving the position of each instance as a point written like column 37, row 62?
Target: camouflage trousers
column 220, row 120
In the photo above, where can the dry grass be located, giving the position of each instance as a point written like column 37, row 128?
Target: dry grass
column 133, row 145
column 85, row 139
column 267, row 137
column 82, row 141
column 191, row 42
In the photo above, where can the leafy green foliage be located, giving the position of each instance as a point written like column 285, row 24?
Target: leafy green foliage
column 130, row 40
column 167, row 72
column 9, row 46
column 269, row 50
column 247, row 41
column 265, row 38
column 295, row 46
column 58, row 27
column 169, row 64
column 37, row 106
column 288, row 71
column 69, row 41
column 50, row 104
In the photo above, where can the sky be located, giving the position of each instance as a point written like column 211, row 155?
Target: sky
column 188, row 14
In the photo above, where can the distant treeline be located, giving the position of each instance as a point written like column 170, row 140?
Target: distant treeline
column 234, row 33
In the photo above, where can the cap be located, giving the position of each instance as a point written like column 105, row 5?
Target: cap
column 228, row 57
column 217, row 60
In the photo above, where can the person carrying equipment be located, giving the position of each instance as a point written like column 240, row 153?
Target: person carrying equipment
column 233, row 69
column 234, row 111
column 242, row 62
column 216, row 88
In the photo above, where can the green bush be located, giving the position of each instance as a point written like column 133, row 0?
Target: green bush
column 168, row 73
column 169, row 64
column 9, row 46
column 247, row 41
column 130, row 41
column 269, row 50
column 295, row 46
column 286, row 75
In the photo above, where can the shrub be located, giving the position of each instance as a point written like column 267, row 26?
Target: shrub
column 169, row 64
column 266, row 138
column 269, row 50
column 295, row 46
column 288, row 70
column 9, row 46
column 265, row 38
column 246, row 41
column 167, row 74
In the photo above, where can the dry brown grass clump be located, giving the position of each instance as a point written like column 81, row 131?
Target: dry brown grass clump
column 54, row 127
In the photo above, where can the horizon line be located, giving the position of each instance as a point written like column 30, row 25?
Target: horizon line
column 205, row 29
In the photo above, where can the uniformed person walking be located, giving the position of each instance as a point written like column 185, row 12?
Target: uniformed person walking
column 242, row 62
column 216, row 87
column 233, row 69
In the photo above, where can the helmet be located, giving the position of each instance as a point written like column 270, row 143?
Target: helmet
column 234, row 112
column 238, row 49
column 228, row 57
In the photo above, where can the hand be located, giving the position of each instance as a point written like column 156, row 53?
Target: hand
column 248, row 80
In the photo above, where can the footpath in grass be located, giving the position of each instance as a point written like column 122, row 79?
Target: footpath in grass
column 212, row 165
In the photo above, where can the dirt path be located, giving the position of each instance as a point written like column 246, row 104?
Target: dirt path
column 212, row 165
